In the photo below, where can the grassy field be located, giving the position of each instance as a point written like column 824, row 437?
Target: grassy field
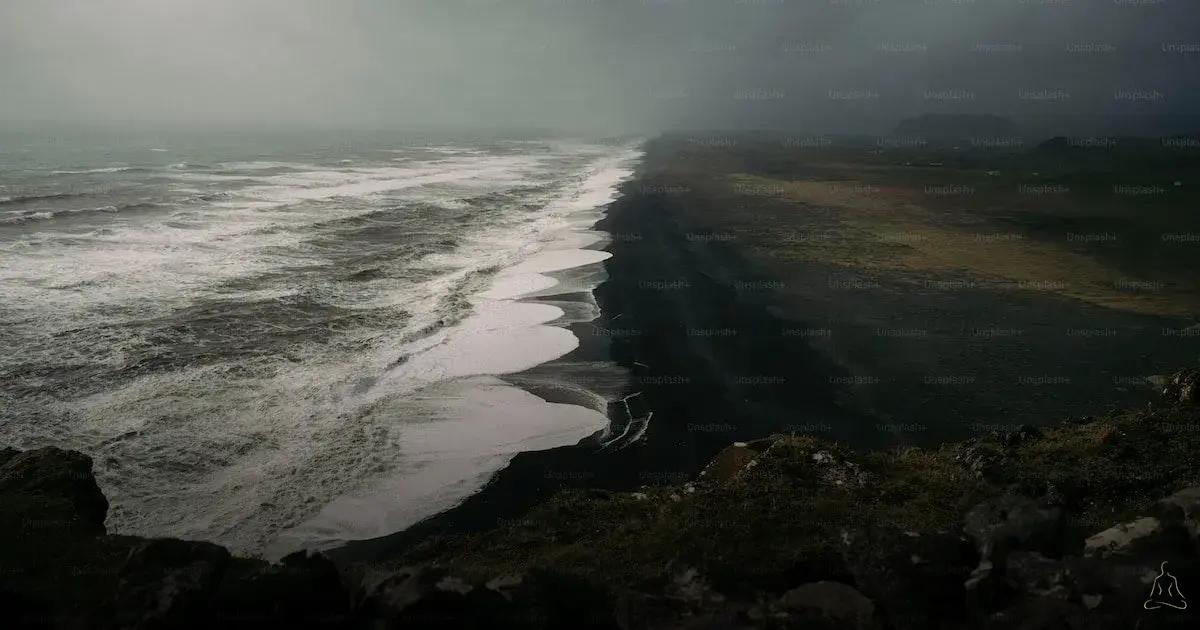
column 1113, row 233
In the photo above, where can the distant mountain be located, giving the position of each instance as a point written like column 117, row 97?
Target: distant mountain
column 956, row 127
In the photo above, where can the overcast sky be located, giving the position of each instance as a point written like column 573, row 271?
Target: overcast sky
column 596, row 65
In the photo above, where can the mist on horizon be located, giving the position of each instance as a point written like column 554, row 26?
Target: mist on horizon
column 630, row 66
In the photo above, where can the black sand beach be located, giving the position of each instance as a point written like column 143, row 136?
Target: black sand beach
column 731, row 336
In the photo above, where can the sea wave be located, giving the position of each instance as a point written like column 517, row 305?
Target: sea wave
column 42, row 215
column 88, row 171
column 19, row 199
column 277, row 324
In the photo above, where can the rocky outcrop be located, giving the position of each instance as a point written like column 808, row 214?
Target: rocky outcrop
column 1182, row 510
column 1061, row 528
column 828, row 605
column 917, row 577
column 986, row 456
column 301, row 589
column 62, row 485
column 1183, row 388
column 59, row 569
column 733, row 460
column 168, row 583
column 427, row 597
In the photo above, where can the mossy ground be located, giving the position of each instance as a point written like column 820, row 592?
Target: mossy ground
column 875, row 226
column 785, row 515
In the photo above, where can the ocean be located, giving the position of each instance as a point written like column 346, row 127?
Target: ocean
column 291, row 341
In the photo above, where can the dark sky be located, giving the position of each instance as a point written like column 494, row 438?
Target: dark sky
column 599, row 65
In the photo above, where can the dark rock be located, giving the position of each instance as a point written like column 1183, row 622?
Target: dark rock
column 431, row 598
column 1138, row 537
column 986, row 456
column 829, row 605
column 1111, row 586
column 1042, row 613
column 832, row 470
column 998, row 527
column 733, row 459
column 7, row 454
column 1182, row 510
column 388, row 593
column 559, row 600
column 1024, row 434
column 17, row 611
column 915, row 578
column 303, row 590
column 1183, row 388
column 1012, row 522
column 62, row 477
column 169, row 583
column 982, row 458
column 689, row 588
column 1032, row 574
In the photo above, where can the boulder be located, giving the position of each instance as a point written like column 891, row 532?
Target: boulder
column 424, row 597
column 982, row 458
column 17, row 611
column 560, row 600
column 985, row 457
column 998, row 527
column 1125, row 538
column 169, row 583
column 828, row 605
column 1042, row 613
column 1113, row 587
column 303, row 590
column 1022, row 435
column 915, row 578
column 1183, row 388
column 1034, row 575
column 1182, row 510
column 1011, row 522
column 689, row 589
column 63, row 479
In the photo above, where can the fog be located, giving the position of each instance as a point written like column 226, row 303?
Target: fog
column 611, row 66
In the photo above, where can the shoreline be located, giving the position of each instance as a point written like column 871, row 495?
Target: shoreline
column 529, row 477
column 671, row 375
column 676, row 285
column 482, row 410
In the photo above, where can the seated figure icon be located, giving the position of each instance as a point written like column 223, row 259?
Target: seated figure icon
column 1165, row 592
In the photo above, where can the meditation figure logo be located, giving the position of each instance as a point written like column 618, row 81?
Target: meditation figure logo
column 1165, row 592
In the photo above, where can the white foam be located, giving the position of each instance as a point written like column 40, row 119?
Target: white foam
column 278, row 453
column 88, row 171
column 481, row 423
column 472, row 428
